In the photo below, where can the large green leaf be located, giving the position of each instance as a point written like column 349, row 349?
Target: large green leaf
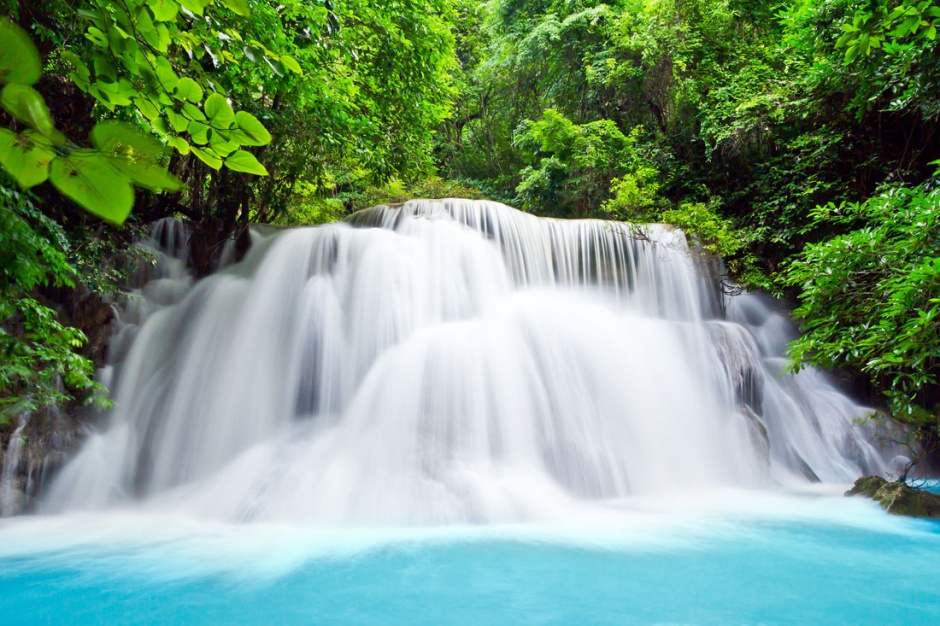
column 135, row 154
column 238, row 6
column 221, row 144
column 195, row 6
column 181, row 145
column 144, row 174
column 219, row 111
column 25, row 104
column 26, row 157
column 164, row 10
column 125, row 140
column 208, row 156
column 188, row 89
column 257, row 134
column 90, row 179
column 166, row 74
column 291, row 64
column 244, row 161
column 198, row 133
column 19, row 59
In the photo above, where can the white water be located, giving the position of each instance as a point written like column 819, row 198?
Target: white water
column 10, row 503
column 456, row 362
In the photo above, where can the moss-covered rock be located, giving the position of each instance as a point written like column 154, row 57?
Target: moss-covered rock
column 897, row 498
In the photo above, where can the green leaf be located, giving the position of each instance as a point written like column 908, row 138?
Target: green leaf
column 181, row 145
column 208, row 156
column 97, row 37
column 147, row 108
column 244, row 161
column 177, row 121
column 238, row 6
column 192, row 112
column 291, row 63
column 219, row 111
column 198, row 133
column 120, row 138
column 164, row 10
column 144, row 174
column 26, row 157
column 135, row 154
column 19, row 60
column 89, row 178
column 257, row 134
column 222, row 146
column 25, row 104
column 166, row 74
column 188, row 89
column 195, row 6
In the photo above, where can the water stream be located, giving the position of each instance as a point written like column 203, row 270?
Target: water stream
column 569, row 399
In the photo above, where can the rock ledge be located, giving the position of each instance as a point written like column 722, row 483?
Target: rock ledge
column 897, row 498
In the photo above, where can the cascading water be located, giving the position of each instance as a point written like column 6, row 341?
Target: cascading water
column 453, row 361
column 9, row 503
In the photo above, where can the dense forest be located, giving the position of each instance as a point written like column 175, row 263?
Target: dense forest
column 795, row 138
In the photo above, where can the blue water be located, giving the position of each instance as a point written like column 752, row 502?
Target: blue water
column 857, row 567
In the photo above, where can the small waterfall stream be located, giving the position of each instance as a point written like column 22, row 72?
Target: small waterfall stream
column 9, row 492
column 453, row 361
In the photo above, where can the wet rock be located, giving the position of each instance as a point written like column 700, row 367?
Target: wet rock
column 897, row 498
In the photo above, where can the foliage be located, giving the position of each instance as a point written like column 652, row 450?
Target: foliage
column 571, row 166
column 39, row 362
column 870, row 298
column 100, row 179
column 897, row 41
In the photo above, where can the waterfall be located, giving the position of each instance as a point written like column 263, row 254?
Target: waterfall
column 455, row 361
column 10, row 494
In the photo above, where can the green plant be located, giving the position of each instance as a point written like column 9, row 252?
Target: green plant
column 101, row 179
column 870, row 298
column 39, row 360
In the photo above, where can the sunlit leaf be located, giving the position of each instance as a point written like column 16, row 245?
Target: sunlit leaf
column 177, row 121
column 166, row 74
column 89, row 178
column 244, row 161
column 219, row 111
column 19, row 59
column 208, row 156
column 198, row 133
column 188, row 89
column 181, row 145
column 25, row 104
column 195, row 6
column 291, row 64
column 193, row 112
column 120, row 138
column 254, row 130
column 144, row 174
column 238, row 6
column 222, row 146
column 25, row 157
column 164, row 10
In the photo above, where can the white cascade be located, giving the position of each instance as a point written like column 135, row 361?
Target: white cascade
column 10, row 495
column 455, row 361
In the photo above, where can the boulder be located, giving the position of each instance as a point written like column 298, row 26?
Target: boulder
column 896, row 497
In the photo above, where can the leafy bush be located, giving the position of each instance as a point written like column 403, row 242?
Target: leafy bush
column 870, row 297
column 39, row 361
column 573, row 165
